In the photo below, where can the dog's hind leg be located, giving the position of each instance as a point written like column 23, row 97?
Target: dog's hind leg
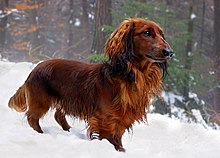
column 33, row 116
column 34, row 122
column 38, row 105
column 61, row 120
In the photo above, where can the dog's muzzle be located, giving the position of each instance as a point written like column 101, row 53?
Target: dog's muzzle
column 167, row 52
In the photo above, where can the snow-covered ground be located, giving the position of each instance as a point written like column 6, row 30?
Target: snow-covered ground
column 161, row 138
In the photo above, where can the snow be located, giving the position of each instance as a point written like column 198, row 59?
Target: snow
column 199, row 118
column 192, row 16
column 91, row 16
column 171, row 97
column 189, row 54
column 14, row 10
column 195, row 44
column 77, row 22
column 3, row 15
column 162, row 137
column 6, row 13
column 51, row 40
column 194, row 96
column 211, row 72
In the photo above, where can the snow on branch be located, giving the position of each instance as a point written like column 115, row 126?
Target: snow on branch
column 192, row 16
column 7, row 11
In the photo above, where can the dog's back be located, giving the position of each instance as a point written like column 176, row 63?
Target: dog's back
column 66, row 85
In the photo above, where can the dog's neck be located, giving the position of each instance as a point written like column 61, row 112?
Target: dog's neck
column 147, row 84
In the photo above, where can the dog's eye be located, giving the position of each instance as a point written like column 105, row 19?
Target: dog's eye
column 147, row 33
column 163, row 37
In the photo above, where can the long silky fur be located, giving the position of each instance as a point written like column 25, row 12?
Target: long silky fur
column 109, row 96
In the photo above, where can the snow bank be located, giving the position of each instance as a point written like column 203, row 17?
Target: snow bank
column 163, row 137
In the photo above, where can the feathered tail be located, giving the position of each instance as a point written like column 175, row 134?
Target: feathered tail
column 18, row 100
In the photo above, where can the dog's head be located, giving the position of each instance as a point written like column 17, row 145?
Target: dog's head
column 137, row 40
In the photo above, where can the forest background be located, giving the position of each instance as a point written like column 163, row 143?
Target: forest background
column 36, row 30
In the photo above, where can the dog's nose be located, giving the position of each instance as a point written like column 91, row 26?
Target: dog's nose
column 168, row 52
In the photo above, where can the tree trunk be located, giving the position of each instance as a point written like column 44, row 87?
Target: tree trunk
column 3, row 25
column 202, row 24
column 35, row 41
column 188, row 55
column 68, row 54
column 217, row 53
column 85, row 24
column 216, row 28
column 102, row 17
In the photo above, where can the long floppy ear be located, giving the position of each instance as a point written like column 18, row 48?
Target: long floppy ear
column 121, row 40
column 119, row 48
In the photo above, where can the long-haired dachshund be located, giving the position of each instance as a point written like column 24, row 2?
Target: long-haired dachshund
column 110, row 96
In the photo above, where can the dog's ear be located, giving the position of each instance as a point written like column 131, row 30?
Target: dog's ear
column 119, row 48
column 120, row 42
column 128, row 43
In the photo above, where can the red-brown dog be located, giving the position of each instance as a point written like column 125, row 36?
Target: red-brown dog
column 110, row 96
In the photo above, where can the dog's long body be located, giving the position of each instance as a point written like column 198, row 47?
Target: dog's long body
column 109, row 96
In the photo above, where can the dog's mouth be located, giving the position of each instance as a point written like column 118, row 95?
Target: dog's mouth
column 156, row 59
column 166, row 53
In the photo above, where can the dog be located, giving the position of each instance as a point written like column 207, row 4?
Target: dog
column 109, row 96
